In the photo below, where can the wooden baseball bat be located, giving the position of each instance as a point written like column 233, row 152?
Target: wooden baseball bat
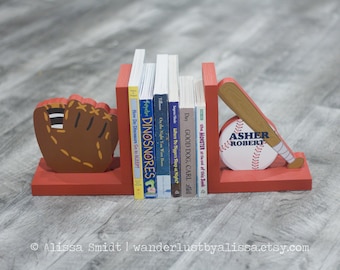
column 238, row 100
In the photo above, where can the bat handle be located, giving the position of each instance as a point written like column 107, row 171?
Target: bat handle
column 288, row 155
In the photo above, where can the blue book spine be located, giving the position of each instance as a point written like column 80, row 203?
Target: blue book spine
column 148, row 148
column 161, row 115
column 175, row 154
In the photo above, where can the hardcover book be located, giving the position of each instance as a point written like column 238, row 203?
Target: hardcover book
column 147, row 131
column 174, row 127
column 134, row 113
column 188, row 136
column 161, row 114
column 201, row 140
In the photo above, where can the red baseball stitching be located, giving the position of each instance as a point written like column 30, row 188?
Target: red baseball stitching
column 255, row 163
column 238, row 128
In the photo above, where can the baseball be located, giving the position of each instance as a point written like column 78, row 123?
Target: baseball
column 243, row 149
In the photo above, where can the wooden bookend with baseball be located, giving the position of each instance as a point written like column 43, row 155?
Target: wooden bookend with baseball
column 238, row 100
column 252, row 129
column 77, row 138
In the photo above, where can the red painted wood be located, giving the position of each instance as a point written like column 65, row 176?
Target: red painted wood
column 275, row 178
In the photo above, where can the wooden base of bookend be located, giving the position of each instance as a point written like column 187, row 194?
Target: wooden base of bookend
column 270, row 179
column 48, row 183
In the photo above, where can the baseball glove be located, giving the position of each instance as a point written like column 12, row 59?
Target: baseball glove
column 76, row 134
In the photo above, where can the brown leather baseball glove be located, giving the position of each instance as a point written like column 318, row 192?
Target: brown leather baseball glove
column 76, row 134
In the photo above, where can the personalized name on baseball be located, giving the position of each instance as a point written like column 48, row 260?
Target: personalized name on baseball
column 248, row 138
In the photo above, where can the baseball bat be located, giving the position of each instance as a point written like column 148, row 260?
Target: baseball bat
column 241, row 103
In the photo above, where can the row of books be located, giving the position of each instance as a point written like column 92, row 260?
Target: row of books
column 167, row 129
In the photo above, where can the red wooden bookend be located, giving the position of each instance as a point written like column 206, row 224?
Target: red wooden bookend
column 115, row 181
column 277, row 177
column 118, row 179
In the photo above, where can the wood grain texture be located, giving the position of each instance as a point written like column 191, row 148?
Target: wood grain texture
column 285, row 54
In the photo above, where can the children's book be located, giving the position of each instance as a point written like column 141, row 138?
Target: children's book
column 161, row 114
column 174, row 127
column 135, row 81
column 188, row 136
column 201, row 139
column 147, row 131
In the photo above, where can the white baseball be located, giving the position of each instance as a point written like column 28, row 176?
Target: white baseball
column 243, row 149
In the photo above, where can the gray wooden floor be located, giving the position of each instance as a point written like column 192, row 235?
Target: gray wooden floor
column 284, row 53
